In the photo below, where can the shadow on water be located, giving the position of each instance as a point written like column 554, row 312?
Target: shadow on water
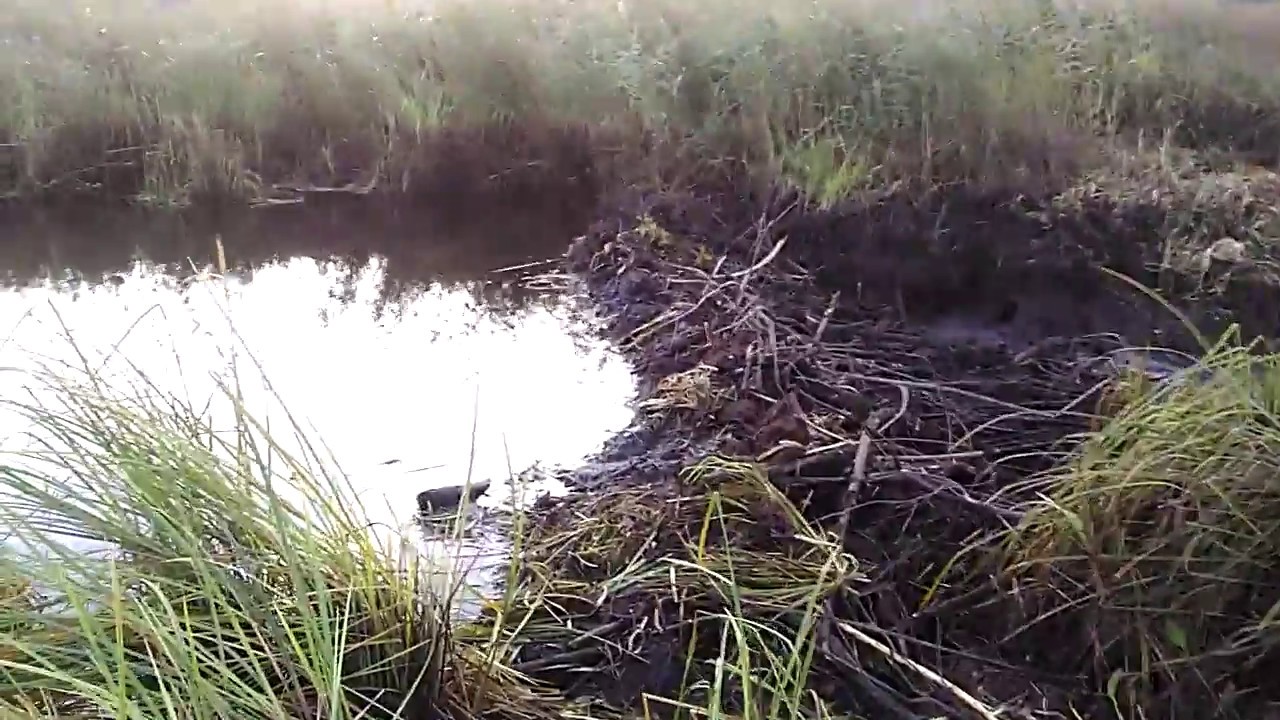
column 384, row 331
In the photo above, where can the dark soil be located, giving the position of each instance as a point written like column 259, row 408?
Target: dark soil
column 966, row 335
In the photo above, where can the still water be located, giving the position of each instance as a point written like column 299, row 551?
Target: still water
column 388, row 336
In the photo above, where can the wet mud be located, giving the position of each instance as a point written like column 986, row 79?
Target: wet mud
column 904, row 367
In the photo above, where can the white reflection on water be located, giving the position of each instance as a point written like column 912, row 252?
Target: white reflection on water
column 391, row 394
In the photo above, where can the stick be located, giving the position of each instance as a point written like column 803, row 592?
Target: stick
column 525, row 266
column 744, row 274
column 575, row 657
column 826, row 318
column 854, row 488
column 965, row 698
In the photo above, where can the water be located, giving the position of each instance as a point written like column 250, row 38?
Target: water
column 386, row 334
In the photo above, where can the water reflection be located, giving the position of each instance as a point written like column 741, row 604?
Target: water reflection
column 380, row 332
column 456, row 247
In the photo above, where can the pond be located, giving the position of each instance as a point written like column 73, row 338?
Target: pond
column 401, row 341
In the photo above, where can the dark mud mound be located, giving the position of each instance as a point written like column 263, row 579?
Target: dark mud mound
column 1023, row 270
column 793, row 333
column 905, row 369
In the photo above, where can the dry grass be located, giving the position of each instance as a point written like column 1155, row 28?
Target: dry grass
column 197, row 99
column 1252, row 27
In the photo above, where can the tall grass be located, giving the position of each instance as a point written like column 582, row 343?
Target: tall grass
column 1162, row 536
column 157, row 566
column 159, row 569
column 182, row 100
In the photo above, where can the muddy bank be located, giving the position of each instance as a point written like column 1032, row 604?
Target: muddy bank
column 904, row 368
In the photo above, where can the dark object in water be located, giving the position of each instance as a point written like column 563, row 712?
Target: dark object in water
column 446, row 498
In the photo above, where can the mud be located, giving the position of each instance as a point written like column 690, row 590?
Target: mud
column 967, row 335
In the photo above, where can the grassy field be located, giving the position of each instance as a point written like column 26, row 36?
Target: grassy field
column 171, row 102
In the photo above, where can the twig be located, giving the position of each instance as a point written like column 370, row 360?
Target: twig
column 959, row 693
column 596, row 632
column 939, row 387
column 837, row 651
column 826, row 318
column 525, row 266
column 777, row 449
column 902, row 407
column 854, row 488
column 840, row 444
column 572, row 657
column 935, row 486
column 936, row 457
column 746, row 274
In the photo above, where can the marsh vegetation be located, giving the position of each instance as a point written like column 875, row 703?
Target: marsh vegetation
column 170, row 102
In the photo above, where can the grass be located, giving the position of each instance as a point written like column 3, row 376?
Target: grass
column 1161, row 534
column 157, row 567
column 166, row 572
column 199, row 100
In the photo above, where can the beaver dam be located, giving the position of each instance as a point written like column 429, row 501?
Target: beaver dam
column 953, row 334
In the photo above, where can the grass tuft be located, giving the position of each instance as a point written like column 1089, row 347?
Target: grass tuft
column 158, row 568
column 1163, row 533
